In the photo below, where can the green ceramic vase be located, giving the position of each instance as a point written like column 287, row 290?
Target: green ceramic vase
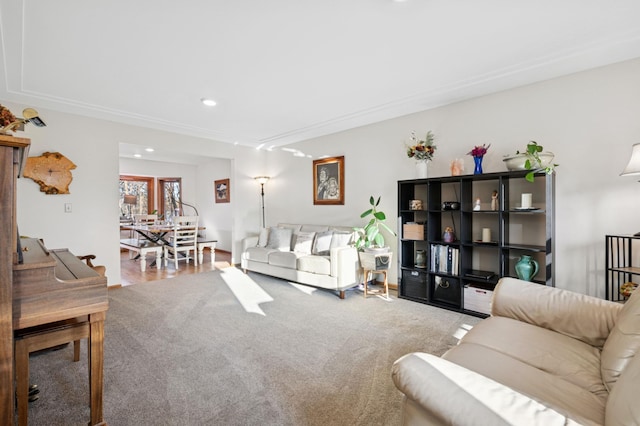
column 526, row 268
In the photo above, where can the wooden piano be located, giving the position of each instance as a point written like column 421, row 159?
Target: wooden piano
column 57, row 299
column 47, row 297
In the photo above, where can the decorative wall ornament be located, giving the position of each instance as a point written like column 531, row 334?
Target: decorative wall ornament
column 52, row 171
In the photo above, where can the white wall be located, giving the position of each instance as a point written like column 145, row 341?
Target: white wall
column 589, row 120
column 216, row 217
column 197, row 190
column 93, row 225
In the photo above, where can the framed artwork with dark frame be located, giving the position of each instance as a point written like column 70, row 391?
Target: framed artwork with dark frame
column 328, row 181
column 222, row 191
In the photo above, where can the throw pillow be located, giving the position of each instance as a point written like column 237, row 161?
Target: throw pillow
column 304, row 241
column 322, row 243
column 264, row 237
column 340, row 239
column 279, row 239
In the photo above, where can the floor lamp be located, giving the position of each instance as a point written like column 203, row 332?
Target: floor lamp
column 130, row 200
column 633, row 168
column 262, row 180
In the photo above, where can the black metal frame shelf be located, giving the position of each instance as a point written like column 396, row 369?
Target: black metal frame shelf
column 621, row 267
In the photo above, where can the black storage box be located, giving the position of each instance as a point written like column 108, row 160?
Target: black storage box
column 446, row 290
column 414, row 284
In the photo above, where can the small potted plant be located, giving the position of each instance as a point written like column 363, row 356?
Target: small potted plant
column 532, row 159
column 370, row 241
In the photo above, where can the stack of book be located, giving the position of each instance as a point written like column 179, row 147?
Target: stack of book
column 444, row 259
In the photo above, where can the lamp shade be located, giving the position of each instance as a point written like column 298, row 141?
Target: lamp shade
column 130, row 199
column 633, row 168
column 262, row 179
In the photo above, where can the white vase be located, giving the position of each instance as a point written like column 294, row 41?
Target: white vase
column 422, row 169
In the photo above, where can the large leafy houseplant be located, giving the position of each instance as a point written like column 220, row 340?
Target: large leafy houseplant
column 370, row 236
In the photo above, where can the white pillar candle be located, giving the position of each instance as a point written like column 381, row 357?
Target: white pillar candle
column 486, row 235
column 526, row 201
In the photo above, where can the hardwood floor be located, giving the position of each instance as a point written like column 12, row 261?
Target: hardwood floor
column 130, row 269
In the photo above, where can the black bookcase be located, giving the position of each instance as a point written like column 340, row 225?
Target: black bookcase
column 460, row 275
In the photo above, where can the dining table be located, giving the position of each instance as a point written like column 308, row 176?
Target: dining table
column 155, row 232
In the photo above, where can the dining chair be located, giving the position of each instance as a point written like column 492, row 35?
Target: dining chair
column 144, row 219
column 183, row 240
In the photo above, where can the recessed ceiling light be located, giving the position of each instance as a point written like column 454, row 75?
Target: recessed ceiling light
column 149, row 149
column 208, row 102
column 137, row 155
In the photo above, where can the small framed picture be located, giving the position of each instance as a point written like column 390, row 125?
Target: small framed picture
column 328, row 181
column 222, row 191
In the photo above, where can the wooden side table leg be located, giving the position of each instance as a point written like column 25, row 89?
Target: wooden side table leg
column 386, row 285
column 366, row 282
column 22, row 380
column 96, row 367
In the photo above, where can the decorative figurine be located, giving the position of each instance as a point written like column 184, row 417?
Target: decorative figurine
column 457, row 167
column 448, row 236
column 494, row 201
column 476, row 205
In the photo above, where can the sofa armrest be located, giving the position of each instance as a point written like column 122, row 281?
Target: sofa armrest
column 250, row 241
column 452, row 394
column 345, row 265
column 575, row 315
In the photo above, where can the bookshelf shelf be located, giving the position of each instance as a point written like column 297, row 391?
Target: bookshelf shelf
column 514, row 232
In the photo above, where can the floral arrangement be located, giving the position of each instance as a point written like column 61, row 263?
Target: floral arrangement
column 421, row 150
column 479, row 151
column 6, row 117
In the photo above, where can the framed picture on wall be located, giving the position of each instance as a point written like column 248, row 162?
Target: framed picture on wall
column 222, row 191
column 328, row 181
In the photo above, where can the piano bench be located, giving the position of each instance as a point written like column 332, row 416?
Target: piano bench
column 206, row 243
column 142, row 247
column 39, row 338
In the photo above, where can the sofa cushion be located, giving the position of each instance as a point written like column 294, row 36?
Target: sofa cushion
column 564, row 397
column 280, row 238
column 571, row 359
column 622, row 405
column 315, row 264
column 322, row 243
column 314, row 228
column 341, row 239
column 303, row 242
column 258, row 254
column 264, row 237
column 623, row 342
column 293, row 226
column 285, row 259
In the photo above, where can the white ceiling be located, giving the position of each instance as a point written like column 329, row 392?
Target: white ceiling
column 283, row 71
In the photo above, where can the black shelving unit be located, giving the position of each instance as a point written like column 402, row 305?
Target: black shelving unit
column 514, row 232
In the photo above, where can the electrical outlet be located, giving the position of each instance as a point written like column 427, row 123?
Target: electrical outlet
column 67, row 207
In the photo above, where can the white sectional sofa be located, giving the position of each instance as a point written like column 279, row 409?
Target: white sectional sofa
column 318, row 255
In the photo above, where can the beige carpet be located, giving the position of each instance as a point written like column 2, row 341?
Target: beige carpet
column 224, row 348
